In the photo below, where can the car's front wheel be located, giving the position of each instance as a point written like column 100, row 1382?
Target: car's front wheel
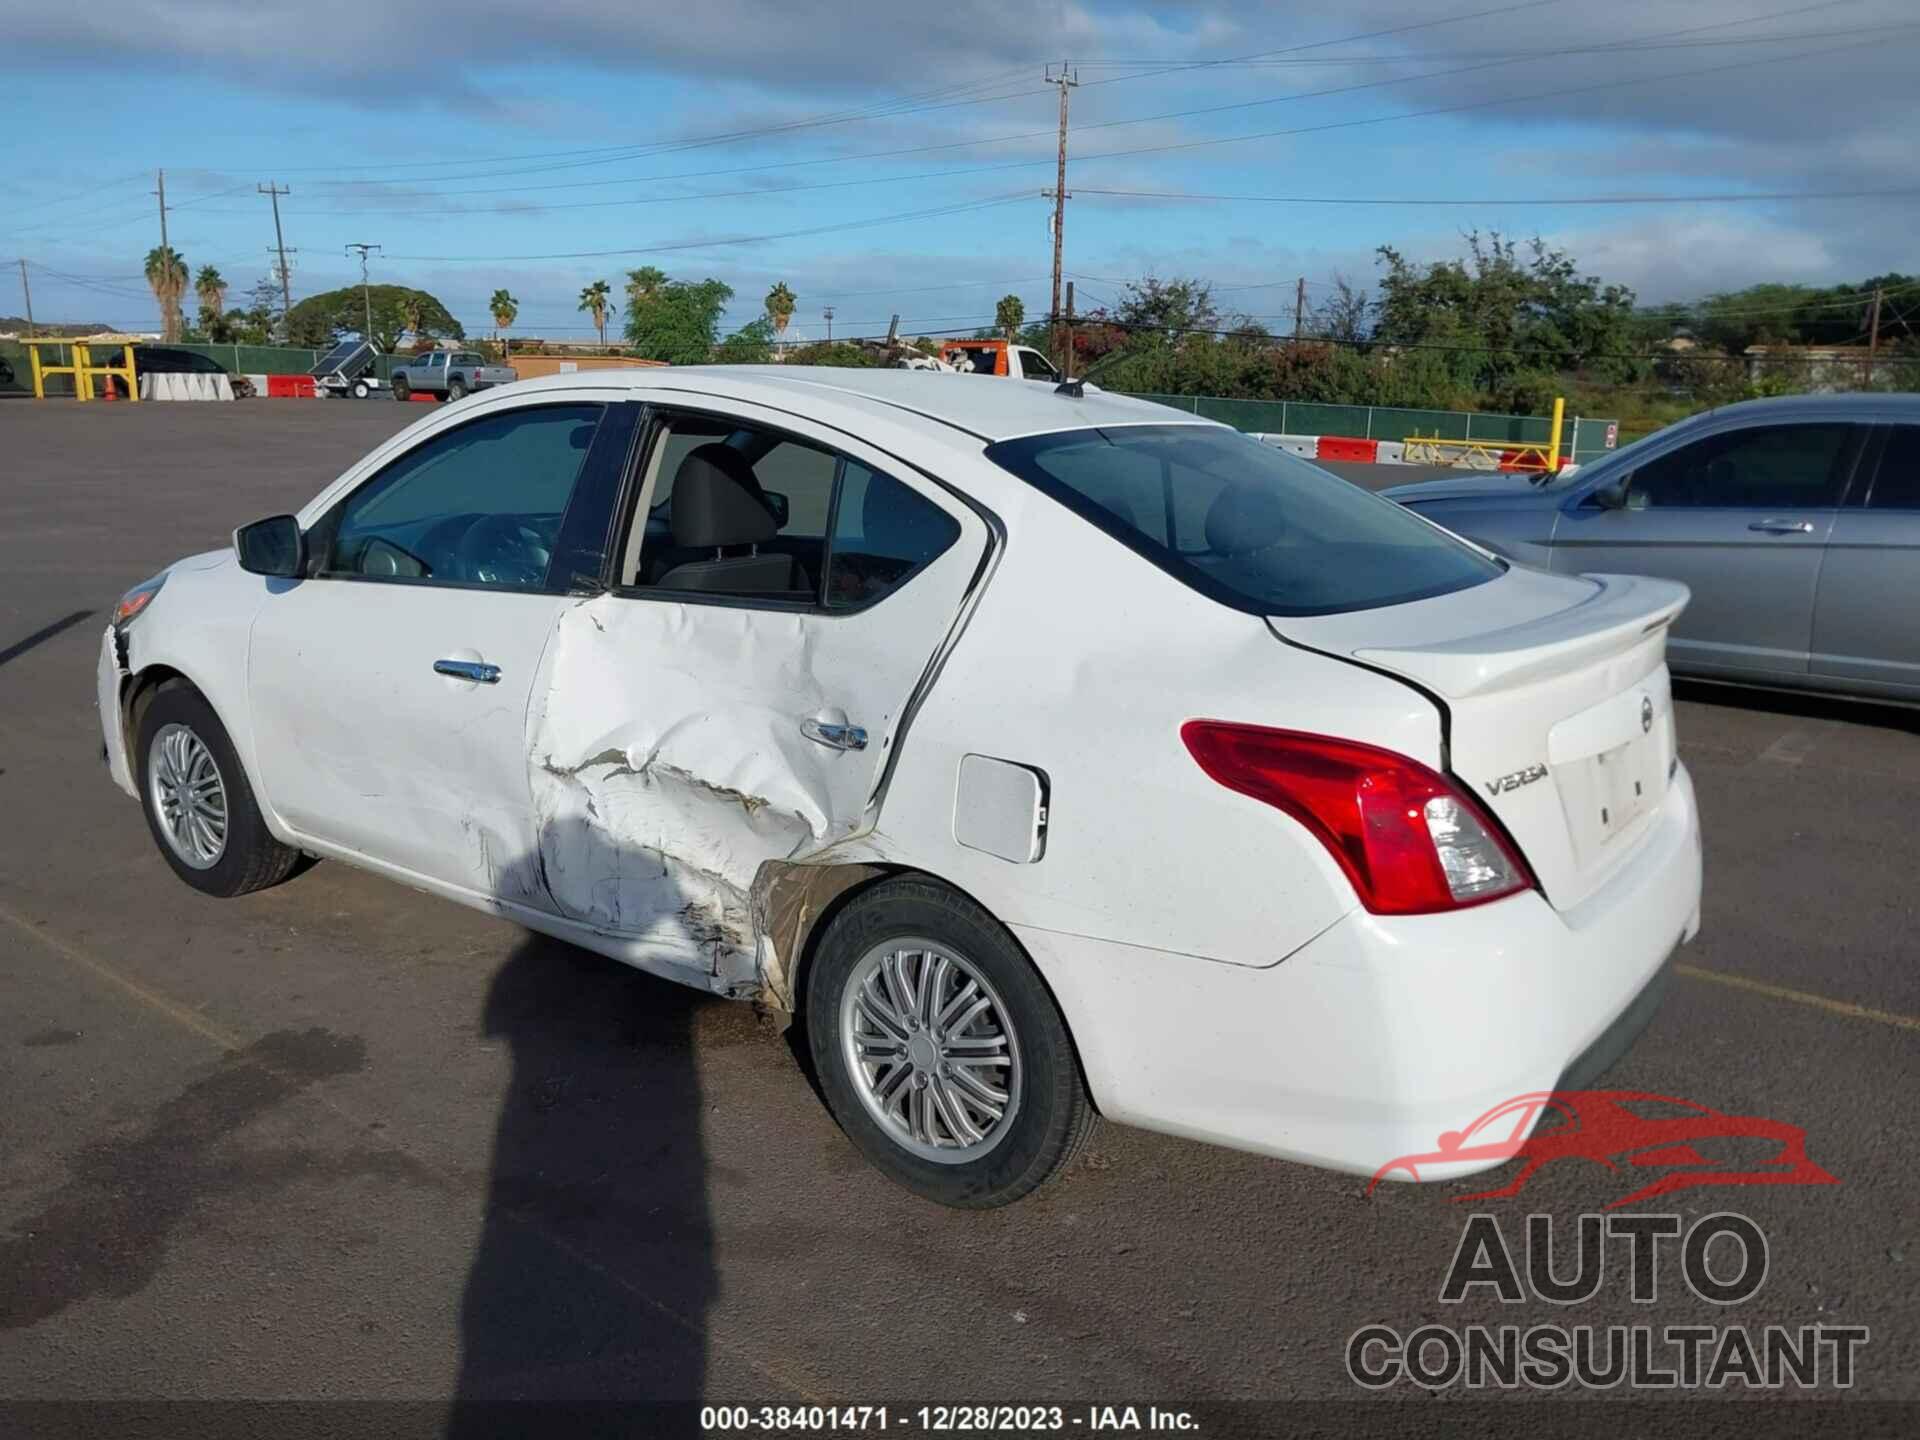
column 198, row 802
column 942, row 1055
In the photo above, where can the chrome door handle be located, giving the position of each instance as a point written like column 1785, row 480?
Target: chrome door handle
column 837, row 735
column 1783, row 527
column 474, row 670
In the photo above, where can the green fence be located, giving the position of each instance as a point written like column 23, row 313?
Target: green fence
column 1581, row 438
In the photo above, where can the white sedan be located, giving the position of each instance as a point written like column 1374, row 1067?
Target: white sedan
column 1047, row 753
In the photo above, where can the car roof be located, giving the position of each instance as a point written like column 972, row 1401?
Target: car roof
column 989, row 408
column 1847, row 404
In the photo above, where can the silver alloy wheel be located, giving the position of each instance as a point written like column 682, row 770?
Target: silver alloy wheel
column 931, row 1049
column 189, row 796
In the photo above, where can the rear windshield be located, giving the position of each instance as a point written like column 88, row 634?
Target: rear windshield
column 1242, row 522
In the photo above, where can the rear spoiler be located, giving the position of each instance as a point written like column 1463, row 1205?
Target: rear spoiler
column 1614, row 619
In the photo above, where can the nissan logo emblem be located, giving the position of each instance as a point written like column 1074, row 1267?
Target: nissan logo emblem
column 1646, row 715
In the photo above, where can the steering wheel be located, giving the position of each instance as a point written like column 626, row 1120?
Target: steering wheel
column 500, row 550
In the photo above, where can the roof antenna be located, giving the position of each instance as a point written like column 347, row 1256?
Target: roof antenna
column 1075, row 389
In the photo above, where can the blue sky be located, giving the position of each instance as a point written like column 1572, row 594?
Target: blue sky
column 888, row 158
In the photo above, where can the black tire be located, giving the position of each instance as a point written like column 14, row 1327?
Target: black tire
column 361, row 390
column 1052, row 1114
column 251, row 858
column 400, row 389
column 456, row 389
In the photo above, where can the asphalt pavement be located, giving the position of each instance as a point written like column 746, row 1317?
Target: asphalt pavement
column 342, row 1140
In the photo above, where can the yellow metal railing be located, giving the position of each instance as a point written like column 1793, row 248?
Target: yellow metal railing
column 1520, row 455
column 82, row 369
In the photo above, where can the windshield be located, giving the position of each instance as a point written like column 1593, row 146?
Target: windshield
column 1242, row 522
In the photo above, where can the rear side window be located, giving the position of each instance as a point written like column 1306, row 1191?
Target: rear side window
column 882, row 533
column 1897, row 485
column 749, row 513
column 1244, row 523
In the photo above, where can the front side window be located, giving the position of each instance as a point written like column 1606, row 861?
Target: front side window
column 477, row 505
column 1768, row 467
column 739, row 511
column 1242, row 522
column 1032, row 367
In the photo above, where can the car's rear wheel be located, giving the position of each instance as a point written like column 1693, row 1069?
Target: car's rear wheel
column 941, row 1053
column 456, row 389
column 400, row 388
column 198, row 802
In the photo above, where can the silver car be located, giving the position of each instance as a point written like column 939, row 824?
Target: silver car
column 1795, row 521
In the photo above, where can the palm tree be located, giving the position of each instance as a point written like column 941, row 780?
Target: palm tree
column 210, row 288
column 780, row 303
column 597, row 300
column 167, row 276
column 503, row 308
column 642, row 285
column 1010, row 315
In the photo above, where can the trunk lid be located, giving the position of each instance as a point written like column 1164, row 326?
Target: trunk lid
column 1559, row 709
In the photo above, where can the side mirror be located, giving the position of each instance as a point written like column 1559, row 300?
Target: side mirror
column 1612, row 495
column 273, row 546
column 777, row 503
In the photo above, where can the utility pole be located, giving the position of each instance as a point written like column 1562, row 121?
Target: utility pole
column 366, row 295
column 1299, row 308
column 1066, row 79
column 1066, row 370
column 27, row 290
column 274, row 192
column 1873, row 336
column 168, row 327
column 828, row 312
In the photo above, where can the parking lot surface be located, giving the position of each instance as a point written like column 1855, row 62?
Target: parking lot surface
column 339, row 1139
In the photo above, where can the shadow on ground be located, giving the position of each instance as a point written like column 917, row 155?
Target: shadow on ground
column 598, row 1154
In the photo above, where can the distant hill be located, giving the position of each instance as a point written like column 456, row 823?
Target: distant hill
column 17, row 325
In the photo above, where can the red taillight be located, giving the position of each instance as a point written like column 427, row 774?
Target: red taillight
column 1411, row 842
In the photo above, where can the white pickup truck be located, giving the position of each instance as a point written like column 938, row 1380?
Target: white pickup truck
column 450, row 374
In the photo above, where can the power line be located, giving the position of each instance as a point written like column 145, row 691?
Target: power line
column 1722, row 198
column 867, row 223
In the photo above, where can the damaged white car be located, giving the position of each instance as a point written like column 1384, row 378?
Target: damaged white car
column 1047, row 753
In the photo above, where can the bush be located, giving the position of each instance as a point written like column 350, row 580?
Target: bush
column 839, row 352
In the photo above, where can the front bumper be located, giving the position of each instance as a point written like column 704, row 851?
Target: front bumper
column 109, row 673
column 1382, row 1032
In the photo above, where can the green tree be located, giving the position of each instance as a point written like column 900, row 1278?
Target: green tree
column 1502, row 311
column 597, row 300
column 504, row 309
column 1169, row 309
column 751, row 344
column 677, row 321
column 167, row 278
column 780, row 303
column 210, row 289
column 1009, row 315
column 320, row 320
